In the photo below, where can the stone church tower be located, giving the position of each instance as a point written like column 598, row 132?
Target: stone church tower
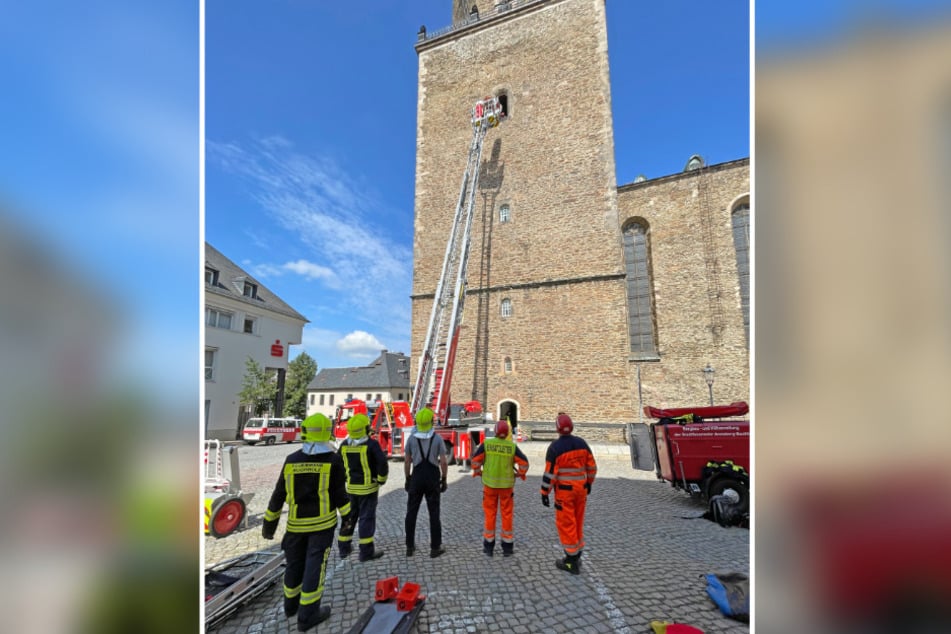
column 546, row 325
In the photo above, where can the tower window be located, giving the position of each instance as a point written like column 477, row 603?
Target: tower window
column 504, row 213
column 508, row 365
column 504, row 102
column 640, row 305
column 506, row 309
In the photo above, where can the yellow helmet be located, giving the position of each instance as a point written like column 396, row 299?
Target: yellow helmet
column 424, row 419
column 316, row 428
column 357, row 426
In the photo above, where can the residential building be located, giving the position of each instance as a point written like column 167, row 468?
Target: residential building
column 243, row 319
column 385, row 379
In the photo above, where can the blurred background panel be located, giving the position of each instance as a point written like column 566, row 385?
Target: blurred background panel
column 99, row 315
column 852, row 296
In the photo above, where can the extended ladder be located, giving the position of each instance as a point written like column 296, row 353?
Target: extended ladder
column 437, row 358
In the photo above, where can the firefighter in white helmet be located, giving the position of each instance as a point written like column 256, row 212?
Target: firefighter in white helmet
column 569, row 470
column 367, row 469
column 313, row 483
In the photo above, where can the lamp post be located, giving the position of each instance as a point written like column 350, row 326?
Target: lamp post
column 708, row 375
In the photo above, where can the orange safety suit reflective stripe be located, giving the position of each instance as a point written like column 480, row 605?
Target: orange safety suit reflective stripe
column 569, row 466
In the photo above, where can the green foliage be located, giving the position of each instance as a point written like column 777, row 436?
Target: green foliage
column 300, row 372
column 257, row 388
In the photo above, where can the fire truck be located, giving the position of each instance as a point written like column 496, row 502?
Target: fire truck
column 461, row 428
column 703, row 450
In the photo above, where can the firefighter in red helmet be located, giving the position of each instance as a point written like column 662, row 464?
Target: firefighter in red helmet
column 498, row 460
column 569, row 470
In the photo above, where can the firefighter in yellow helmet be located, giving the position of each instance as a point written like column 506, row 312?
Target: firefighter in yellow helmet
column 498, row 460
column 367, row 469
column 313, row 483
column 426, row 467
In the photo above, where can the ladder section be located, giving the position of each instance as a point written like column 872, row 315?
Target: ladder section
column 437, row 357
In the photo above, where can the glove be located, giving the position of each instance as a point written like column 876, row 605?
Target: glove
column 587, row 487
column 267, row 530
column 443, row 486
column 545, row 500
column 521, row 475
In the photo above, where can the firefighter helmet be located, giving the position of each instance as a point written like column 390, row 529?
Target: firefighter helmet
column 501, row 429
column 424, row 419
column 563, row 424
column 316, row 428
column 357, row 426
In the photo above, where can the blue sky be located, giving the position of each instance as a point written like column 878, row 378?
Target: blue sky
column 311, row 122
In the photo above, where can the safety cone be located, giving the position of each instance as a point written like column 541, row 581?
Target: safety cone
column 519, row 437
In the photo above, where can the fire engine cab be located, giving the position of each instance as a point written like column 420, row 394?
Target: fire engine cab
column 271, row 430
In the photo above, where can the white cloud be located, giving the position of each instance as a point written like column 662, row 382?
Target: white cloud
column 335, row 216
column 310, row 270
column 360, row 344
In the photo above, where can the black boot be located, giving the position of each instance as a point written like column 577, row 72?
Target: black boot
column 488, row 547
column 508, row 549
column 569, row 564
column 323, row 614
column 369, row 552
column 290, row 606
column 344, row 548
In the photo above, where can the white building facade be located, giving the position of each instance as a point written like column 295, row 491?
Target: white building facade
column 242, row 319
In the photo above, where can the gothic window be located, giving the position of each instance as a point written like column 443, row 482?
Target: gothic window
column 741, row 242
column 504, row 213
column 639, row 291
column 506, row 307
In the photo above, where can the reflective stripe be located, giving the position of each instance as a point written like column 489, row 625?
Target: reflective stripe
column 270, row 516
column 290, row 593
column 571, row 478
column 345, row 509
column 489, row 537
column 345, row 538
column 366, row 540
column 308, row 598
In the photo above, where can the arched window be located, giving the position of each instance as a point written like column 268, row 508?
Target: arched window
column 504, row 213
column 694, row 163
column 640, row 304
column 741, row 242
column 507, row 365
column 506, row 308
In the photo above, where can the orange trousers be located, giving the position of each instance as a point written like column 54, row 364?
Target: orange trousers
column 569, row 517
column 492, row 500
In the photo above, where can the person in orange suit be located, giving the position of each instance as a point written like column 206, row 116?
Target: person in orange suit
column 570, row 470
column 498, row 460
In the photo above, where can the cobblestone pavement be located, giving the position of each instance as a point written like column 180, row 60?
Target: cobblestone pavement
column 645, row 556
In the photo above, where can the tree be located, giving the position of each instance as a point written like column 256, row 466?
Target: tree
column 257, row 388
column 300, row 372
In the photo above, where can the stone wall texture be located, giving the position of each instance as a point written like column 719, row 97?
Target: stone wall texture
column 558, row 259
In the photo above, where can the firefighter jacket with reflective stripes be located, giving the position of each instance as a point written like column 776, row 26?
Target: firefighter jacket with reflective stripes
column 314, row 487
column 365, row 464
column 497, row 459
column 569, row 464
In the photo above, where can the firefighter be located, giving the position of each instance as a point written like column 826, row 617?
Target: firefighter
column 426, row 467
column 498, row 461
column 569, row 469
column 313, row 483
column 367, row 469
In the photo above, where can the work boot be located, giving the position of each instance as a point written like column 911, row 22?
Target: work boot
column 290, row 606
column 569, row 564
column 344, row 548
column 437, row 551
column 368, row 554
column 508, row 549
column 410, row 550
column 323, row 614
column 488, row 547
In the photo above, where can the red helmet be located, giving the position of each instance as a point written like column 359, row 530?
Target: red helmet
column 501, row 429
column 563, row 424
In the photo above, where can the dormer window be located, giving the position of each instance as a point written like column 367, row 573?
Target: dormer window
column 250, row 290
column 211, row 276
